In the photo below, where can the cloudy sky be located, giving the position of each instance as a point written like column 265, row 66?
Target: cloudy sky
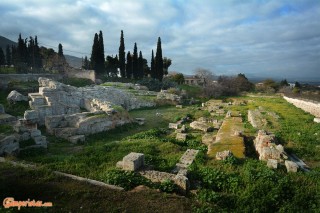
column 261, row 38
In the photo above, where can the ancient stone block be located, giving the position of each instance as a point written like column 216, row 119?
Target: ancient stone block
column 291, row 166
column 15, row 96
column 35, row 133
column 133, row 161
column 173, row 126
column 9, row 145
column 201, row 126
column 179, row 106
column 140, row 121
column 181, row 136
column 223, row 155
column 31, row 115
column 272, row 163
column 317, row 120
column 77, row 139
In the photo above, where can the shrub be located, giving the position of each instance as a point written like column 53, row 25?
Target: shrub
column 168, row 186
column 125, row 179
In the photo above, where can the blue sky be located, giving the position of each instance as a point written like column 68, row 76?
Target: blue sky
column 276, row 38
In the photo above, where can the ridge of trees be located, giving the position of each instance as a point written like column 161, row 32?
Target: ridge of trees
column 126, row 65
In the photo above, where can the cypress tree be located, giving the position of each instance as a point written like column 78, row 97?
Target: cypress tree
column 60, row 50
column 153, row 69
column 122, row 57
column 140, row 65
column 101, row 60
column 135, row 62
column 37, row 55
column 94, row 52
column 129, row 66
column 159, row 61
column 2, row 57
column 8, row 55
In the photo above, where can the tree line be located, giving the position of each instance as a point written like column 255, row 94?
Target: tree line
column 26, row 55
column 127, row 65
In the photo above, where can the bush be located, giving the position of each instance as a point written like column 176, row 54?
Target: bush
column 168, row 186
column 125, row 179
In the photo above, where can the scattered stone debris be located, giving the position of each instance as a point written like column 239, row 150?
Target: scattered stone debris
column 179, row 106
column 274, row 154
column 164, row 95
column 132, row 162
column 224, row 155
column 267, row 148
column 14, row 96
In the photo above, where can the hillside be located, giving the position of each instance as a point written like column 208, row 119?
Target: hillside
column 71, row 60
column 4, row 42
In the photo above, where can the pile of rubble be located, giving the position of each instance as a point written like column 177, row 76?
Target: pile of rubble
column 268, row 150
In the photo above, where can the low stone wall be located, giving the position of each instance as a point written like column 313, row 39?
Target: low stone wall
column 312, row 107
column 6, row 78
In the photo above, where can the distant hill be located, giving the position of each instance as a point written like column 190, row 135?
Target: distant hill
column 4, row 42
column 71, row 60
column 74, row 61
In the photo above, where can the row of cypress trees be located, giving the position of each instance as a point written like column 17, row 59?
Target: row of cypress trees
column 130, row 65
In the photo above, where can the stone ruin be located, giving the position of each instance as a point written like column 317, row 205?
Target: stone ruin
column 71, row 113
column 135, row 162
column 164, row 95
column 223, row 155
column 25, row 129
column 268, row 150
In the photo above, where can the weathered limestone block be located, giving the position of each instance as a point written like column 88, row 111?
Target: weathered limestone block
column 179, row 106
column 224, row 155
column 182, row 129
column 181, row 181
column 15, row 96
column 173, row 126
column 2, row 111
column 25, row 136
column 6, row 118
column 269, row 153
column 77, row 138
column 132, row 162
column 317, row 120
column 31, row 115
column 201, row 126
column 272, row 163
column 291, row 166
column 140, row 121
column 208, row 138
column 9, row 145
column 181, row 136
column 35, row 133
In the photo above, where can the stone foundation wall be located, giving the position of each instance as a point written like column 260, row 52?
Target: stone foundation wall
column 312, row 107
column 79, row 73
column 6, row 78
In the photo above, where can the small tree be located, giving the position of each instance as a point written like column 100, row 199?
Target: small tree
column 60, row 50
column 166, row 64
column 122, row 56
column 178, row 78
